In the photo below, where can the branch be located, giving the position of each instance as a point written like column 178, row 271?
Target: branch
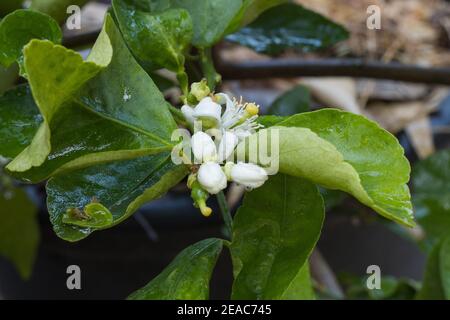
column 357, row 68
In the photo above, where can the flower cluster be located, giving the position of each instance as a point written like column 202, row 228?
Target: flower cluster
column 224, row 122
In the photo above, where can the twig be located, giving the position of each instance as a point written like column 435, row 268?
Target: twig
column 321, row 271
column 226, row 214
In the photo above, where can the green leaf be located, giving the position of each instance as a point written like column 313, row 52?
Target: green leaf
column 162, row 82
column 289, row 26
column 296, row 100
column 159, row 39
column 301, row 287
column 94, row 215
column 274, row 233
column 249, row 11
column 431, row 195
column 19, row 230
column 436, row 283
column 56, row 8
column 55, row 74
column 21, row 26
column 270, row 120
column 210, row 18
column 20, row 120
column 8, row 77
column 118, row 114
column 187, row 276
column 120, row 187
column 344, row 151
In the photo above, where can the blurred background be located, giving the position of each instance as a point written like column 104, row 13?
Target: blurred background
column 398, row 76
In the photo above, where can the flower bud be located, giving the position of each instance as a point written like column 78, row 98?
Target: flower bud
column 211, row 177
column 248, row 174
column 208, row 112
column 188, row 113
column 203, row 147
column 227, row 144
column 200, row 89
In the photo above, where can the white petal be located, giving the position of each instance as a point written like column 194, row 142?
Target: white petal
column 232, row 114
column 208, row 109
column 249, row 175
column 227, row 145
column 211, row 177
column 188, row 113
column 203, row 147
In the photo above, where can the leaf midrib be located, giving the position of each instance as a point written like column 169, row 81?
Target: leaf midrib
column 124, row 124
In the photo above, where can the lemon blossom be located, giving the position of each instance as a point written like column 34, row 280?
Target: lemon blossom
column 228, row 143
column 248, row 174
column 188, row 113
column 203, row 147
column 229, row 121
column 208, row 111
column 211, row 177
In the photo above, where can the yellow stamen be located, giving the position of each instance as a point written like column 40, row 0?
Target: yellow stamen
column 252, row 109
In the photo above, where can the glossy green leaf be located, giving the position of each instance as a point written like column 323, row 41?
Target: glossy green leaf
column 19, row 230
column 296, row 100
column 159, row 39
column 348, row 152
column 250, row 10
column 56, row 8
column 21, row 26
column 121, row 187
column 118, row 114
column 436, row 282
column 187, row 276
column 270, row 120
column 162, row 82
column 20, row 120
column 274, row 232
column 289, row 26
column 431, row 195
column 8, row 77
column 94, row 215
column 210, row 18
column 301, row 287
column 55, row 75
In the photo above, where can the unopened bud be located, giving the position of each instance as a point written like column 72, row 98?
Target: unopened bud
column 211, row 177
column 200, row 89
column 249, row 175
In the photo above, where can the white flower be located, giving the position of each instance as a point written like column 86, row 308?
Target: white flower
column 248, row 174
column 211, row 177
column 233, row 111
column 227, row 144
column 188, row 113
column 238, row 118
column 203, row 147
column 208, row 111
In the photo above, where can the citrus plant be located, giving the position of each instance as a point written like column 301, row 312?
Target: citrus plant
column 100, row 132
